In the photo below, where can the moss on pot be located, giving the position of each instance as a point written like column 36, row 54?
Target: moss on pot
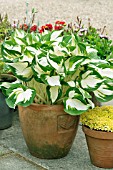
column 99, row 118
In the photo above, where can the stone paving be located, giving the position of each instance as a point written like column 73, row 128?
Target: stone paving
column 10, row 158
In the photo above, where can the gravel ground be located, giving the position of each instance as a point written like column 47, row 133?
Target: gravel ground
column 99, row 11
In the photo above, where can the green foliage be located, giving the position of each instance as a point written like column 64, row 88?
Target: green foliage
column 101, row 43
column 99, row 118
column 3, row 67
column 5, row 27
column 61, row 68
column 97, row 38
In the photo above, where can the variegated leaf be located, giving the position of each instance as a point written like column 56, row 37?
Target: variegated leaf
column 19, row 96
column 91, row 103
column 57, row 65
column 33, row 50
column 106, row 72
column 75, row 106
column 59, row 51
column 19, row 41
column 53, row 80
column 21, row 70
column 10, row 55
column 55, row 34
column 71, row 83
column 39, row 73
column 73, row 63
column 19, row 33
column 54, row 92
column 9, row 46
column 91, row 50
column 43, row 61
column 90, row 80
column 84, row 93
column 104, row 93
column 103, row 68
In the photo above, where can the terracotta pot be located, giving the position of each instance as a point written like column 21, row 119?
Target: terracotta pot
column 100, row 146
column 49, row 131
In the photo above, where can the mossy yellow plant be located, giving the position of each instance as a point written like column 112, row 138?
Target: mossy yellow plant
column 99, row 118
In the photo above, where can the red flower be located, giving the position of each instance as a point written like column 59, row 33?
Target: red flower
column 33, row 28
column 58, row 27
column 21, row 26
column 48, row 27
column 57, row 22
column 25, row 27
column 60, row 23
column 41, row 30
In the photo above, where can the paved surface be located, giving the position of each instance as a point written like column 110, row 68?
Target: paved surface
column 14, row 154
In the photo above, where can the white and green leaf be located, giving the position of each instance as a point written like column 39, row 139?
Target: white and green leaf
column 53, row 80
column 54, row 92
column 90, row 80
column 19, row 33
column 106, row 72
column 22, row 70
column 71, row 83
column 73, row 63
column 55, row 34
column 20, row 95
column 75, row 106
column 104, row 93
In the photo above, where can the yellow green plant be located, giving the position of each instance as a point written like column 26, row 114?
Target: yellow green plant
column 99, row 118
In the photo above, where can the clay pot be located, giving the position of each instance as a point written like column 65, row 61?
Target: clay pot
column 6, row 113
column 49, row 131
column 100, row 146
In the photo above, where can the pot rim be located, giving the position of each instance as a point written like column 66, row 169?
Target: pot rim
column 35, row 106
column 97, row 134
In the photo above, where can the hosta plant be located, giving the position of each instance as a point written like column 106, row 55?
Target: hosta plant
column 56, row 67
column 99, row 118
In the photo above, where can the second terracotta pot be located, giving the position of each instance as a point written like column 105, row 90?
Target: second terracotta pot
column 49, row 131
column 100, row 146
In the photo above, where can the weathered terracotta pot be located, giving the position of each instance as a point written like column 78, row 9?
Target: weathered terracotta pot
column 49, row 131
column 100, row 146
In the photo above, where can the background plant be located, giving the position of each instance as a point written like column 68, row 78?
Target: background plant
column 5, row 27
column 97, row 38
column 5, row 31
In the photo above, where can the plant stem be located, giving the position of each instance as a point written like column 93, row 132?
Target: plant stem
column 60, row 99
column 41, row 98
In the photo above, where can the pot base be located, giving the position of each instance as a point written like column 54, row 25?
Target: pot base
column 48, row 152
